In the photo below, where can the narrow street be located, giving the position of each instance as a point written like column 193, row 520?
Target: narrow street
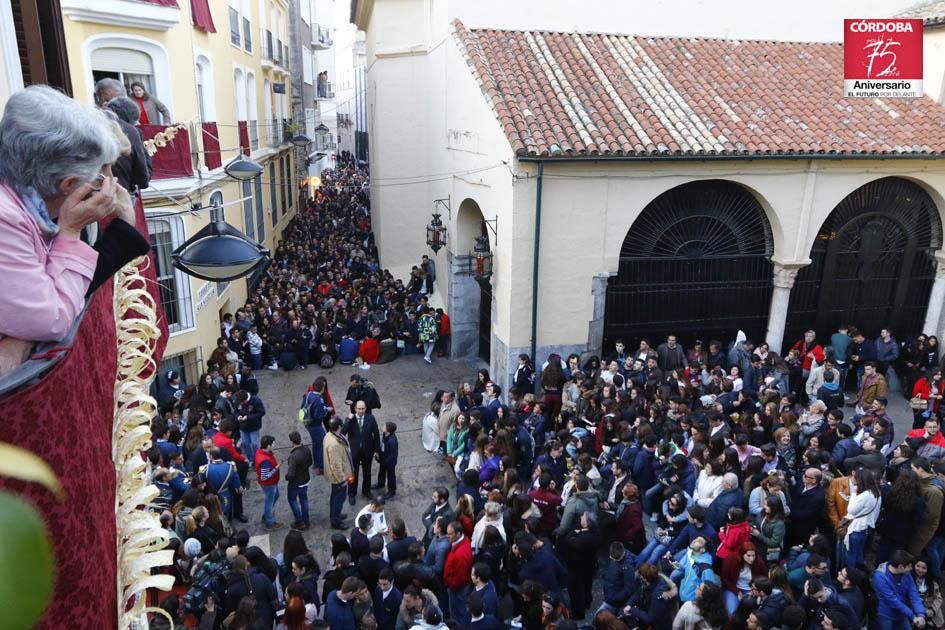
column 406, row 386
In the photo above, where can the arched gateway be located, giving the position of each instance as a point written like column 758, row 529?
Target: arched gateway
column 696, row 262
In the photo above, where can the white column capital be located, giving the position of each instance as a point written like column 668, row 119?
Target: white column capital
column 784, row 277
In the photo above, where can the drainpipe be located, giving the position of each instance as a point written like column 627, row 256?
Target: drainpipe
column 541, row 172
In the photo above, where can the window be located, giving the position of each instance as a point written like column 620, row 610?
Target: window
column 234, row 26
column 306, row 11
column 282, row 181
column 166, row 236
column 247, row 35
column 273, row 204
column 260, row 213
column 248, row 219
column 240, row 82
column 288, row 183
column 205, row 96
column 253, row 110
column 308, row 65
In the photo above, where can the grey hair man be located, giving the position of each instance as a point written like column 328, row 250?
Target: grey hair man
column 132, row 170
column 125, row 108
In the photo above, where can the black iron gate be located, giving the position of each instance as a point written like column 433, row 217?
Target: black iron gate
column 485, row 321
column 695, row 263
column 872, row 263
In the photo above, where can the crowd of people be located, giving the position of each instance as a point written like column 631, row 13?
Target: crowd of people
column 660, row 487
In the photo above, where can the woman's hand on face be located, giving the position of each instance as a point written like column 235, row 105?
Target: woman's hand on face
column 81, row 208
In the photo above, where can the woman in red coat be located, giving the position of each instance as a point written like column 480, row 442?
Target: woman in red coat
column 738, row 570
column 929, row 388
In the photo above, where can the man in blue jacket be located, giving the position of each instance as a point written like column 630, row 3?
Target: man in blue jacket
column 249, row 414
column 899, row 605
column 338, row 612
column 620, row 582
column 731, row 496
column 695, row 528
column 386, row 600
column 644, row 470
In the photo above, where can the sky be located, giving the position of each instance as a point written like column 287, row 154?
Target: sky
column 796, row 20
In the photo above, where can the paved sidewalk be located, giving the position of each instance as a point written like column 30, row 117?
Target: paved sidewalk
column 406, row 387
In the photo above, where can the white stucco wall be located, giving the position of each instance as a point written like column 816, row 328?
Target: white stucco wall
column 933, row 62
column 588, row 209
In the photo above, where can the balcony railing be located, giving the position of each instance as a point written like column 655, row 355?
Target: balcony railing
column 254, row 135
column 265, row 44
column 321, row 37
column 323, row 90
column 244, row 137
column 173, row 159
column 211, row 145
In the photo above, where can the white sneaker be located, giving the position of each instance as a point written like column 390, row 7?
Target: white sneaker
column 428, row 360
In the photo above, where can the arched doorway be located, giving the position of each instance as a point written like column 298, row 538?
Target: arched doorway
column 694, row 263
column 470, row 302
column 872, row 263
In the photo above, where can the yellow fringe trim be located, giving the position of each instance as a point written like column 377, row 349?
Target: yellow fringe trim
column 140, row 540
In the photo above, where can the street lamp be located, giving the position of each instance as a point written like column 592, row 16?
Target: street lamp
column 219, row 252
column 482, row 257
column 243, row 169
column 300, row 140
column 436, row 233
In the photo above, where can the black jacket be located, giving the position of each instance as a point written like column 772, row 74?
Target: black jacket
column 118, row 245
column 264, row 591
column 133, row 170
column 397, row 549
column 298, row 465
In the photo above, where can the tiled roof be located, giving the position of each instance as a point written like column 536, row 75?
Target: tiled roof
column 587, row 95
column 932, row 13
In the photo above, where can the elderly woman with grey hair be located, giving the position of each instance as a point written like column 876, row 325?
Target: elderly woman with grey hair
column 56, row 180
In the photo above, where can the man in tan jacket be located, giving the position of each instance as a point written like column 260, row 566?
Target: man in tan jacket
column 449, row 410
column 338, row 471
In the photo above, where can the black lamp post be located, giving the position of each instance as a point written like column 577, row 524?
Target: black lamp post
column 300, row 140
column 436, row 233
column 482, row 259
column 219, row 252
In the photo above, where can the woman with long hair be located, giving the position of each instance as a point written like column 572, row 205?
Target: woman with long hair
column 482, row 377
column 768, row 531
column 552, row 381
column 294, row 617
column 738, row 570
column 928, row 389
column 705, row 612
column 862, row 513
column 902, row 511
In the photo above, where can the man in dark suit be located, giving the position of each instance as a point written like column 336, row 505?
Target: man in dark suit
column 364, row 438
column 397, row 548
column 387, row 599
column 438, row 508
column 478, row 619
column 808, row 507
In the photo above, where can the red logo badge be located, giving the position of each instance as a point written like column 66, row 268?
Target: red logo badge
column 882, row 58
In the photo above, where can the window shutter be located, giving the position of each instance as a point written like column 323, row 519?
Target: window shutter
column 123, row 60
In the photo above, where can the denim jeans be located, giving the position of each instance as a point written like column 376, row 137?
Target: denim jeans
column 298, row 502
column 852, row 557
column 652, row 552
column 250, row 443
column 271, row 494
column 935, row 550
column 337, row 501
column 731, row 601
column 652, row 495
column 428, row 349
column 255, row 361
column 316, row 431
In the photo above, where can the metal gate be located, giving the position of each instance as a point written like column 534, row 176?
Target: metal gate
column 695, row 263
column 872, row 263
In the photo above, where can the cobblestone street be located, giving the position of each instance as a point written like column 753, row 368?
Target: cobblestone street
column 406, row 387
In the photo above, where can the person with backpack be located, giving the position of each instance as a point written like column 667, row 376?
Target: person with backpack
column 297, row 477
column 313, row 414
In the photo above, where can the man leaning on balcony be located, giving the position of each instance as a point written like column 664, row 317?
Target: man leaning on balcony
column 133, row 170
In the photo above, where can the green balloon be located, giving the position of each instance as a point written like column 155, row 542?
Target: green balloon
column 26, row 564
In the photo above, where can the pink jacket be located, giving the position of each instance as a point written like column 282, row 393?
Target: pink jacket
column 44, row 283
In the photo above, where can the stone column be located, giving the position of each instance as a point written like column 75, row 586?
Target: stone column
column 933, row 317
column 784, row 276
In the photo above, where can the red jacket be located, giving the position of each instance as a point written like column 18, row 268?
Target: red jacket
column 444, row 324
column 266, row 468
column 369, row 350
column 923, row 389
column 225, row 442
column 732, row 537
column 806, row 351
column 732, row 566
column 548, row 503
column 458, row 565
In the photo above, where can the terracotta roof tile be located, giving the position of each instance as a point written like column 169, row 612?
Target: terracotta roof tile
column 617, row 95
